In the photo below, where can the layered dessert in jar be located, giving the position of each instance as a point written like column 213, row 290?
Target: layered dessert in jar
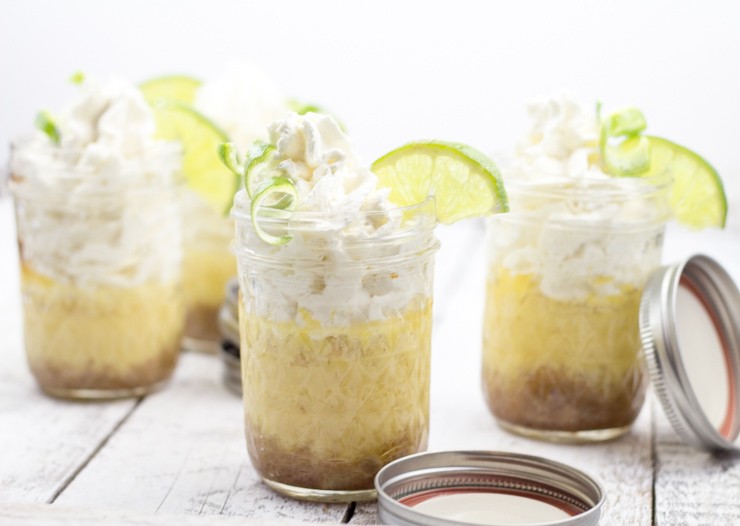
column 99, row 241
column 335, row 316
column 567, row 265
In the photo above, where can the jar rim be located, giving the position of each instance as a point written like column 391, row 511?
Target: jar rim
column 614, row 187
column 157, row 150
column 240, row 211
column 411, row 222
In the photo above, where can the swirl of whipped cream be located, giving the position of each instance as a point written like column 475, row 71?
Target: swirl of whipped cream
column 99, row 207
column 319, row 159
column 345, row 230
column 561, row 142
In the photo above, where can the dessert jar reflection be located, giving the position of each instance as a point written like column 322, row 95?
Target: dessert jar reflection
column 335, row 329
column 100, row 259
column 561, row 347
column 208, row 264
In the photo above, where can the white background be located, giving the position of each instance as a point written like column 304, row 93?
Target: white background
column 396, row 71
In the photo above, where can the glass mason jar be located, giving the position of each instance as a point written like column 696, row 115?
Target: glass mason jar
column 561, row 346
column 208, row 264
column 100, row 258
column 335, row 346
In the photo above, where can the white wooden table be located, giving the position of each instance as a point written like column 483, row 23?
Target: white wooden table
column 179, row 456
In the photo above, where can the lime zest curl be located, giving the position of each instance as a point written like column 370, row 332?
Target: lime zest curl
column 78, row 77
column 229, row 156
column 276, row 194
column 259, row 154
column 46, row 124
column 631, row 157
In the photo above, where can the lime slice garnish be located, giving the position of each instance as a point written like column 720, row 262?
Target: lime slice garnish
column 276, row 194
column 697, row 196
column 200, row 138
column 172, row 87
column 632, row 156
column 46, row 124
column 464, row 182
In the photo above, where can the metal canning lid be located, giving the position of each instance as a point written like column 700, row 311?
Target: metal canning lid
column 689, row 326
column 485, row 487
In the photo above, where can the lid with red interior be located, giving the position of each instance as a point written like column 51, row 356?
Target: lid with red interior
column 690, row 330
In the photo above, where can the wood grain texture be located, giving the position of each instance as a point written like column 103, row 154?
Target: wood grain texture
column 43, row 441
column 183, row 452
column 693, row 486
column 26, row 515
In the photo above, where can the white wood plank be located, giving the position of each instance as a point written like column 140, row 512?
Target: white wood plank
column 43, row 442
column 44, row 515
column 183, row 452
column 693, row 486
column 460, row 419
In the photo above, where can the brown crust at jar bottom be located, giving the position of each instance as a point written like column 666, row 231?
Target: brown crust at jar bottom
column 552, row 401
column 201, row 323
column 302, row 469
column 57, row 379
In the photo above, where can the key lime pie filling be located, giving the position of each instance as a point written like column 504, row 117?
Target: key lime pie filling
column 100, row 247
column 352, row 397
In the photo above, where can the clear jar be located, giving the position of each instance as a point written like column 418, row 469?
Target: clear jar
column 100, row 258
column 567, row 265
column 335, row 346
column 208, row 264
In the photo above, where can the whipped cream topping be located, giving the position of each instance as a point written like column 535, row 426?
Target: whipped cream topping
column 562, row 142
column 581, row 231
column 343, row 229
column 99, row 207
column 242, row 102
column 319, row 159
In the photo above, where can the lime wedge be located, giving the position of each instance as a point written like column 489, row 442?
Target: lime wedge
column 276, row 194
column 200, row 139
column 697, row 197
column 172, row 87
column 464, row 182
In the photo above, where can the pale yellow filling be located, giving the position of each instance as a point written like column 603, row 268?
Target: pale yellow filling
column 205, row 274
column 561, row 363
column 321, row 397
column 100, row 336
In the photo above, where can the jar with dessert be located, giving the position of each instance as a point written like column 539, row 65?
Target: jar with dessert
column 99, row 240
column 335, row 272
column 561, row 345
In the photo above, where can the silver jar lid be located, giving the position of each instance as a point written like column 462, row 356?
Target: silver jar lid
column 690, row 330
column 485, row 487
